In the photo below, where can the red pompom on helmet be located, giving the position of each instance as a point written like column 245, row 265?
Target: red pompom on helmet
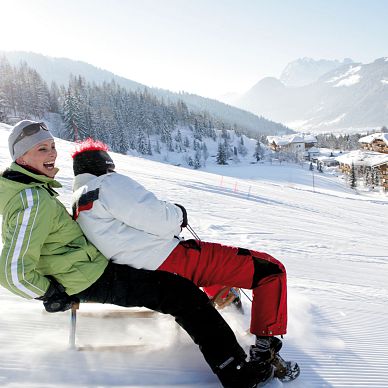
column 91, row 157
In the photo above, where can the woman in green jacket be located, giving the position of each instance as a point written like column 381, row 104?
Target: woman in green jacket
column 45, row 256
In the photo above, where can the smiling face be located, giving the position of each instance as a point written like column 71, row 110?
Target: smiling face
column 41, row 158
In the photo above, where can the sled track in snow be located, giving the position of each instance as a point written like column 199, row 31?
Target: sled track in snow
column 352, row 351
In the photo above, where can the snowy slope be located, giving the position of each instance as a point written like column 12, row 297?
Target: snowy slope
column 332, row 241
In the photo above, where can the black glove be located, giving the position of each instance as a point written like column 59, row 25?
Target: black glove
column 55, row 299
column 184, row 222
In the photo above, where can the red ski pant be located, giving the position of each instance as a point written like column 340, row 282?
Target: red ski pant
column 208, row 264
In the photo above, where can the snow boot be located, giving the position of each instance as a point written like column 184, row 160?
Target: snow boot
column 238, row 373
column 267, row 349
column 285, row 371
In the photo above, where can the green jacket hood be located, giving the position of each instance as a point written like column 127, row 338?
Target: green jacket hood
column 9, row 188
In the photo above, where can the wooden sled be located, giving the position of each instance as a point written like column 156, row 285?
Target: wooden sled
column 128, row 312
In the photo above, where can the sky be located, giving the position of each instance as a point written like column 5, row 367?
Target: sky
column 206, row 47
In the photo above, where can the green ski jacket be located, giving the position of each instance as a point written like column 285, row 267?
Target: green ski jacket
column 40, row 238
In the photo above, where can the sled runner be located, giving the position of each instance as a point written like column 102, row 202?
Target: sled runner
column 127, row 313
column 228, row 296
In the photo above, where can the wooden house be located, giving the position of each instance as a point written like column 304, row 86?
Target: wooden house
column 366, row 160
column 377, row 142
column 295, row 143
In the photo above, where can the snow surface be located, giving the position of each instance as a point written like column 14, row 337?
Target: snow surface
column 332, row 240
column 349, row 81
column 349, row 78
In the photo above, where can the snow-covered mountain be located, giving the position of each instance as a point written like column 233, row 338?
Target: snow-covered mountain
column 332, row 241
column 60, row 69
column 305, row 71
column 351, row 97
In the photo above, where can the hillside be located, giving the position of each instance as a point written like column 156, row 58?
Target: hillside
column 304, row 71
column 60, row 69
column 332, row 241
column 349, row 98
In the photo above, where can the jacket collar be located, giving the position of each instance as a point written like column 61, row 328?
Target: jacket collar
column 39, row 178
column 82, row 179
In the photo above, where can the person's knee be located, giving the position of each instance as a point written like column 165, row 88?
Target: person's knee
column 180, row 293
column 264, row 268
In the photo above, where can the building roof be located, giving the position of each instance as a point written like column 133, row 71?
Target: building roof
column 374, row 136
column 294, row 138
column 310, row 139
column 363, row 158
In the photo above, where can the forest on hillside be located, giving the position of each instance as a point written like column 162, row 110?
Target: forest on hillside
column 108, row 112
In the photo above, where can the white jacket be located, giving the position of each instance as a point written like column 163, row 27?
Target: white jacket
column 127, row 223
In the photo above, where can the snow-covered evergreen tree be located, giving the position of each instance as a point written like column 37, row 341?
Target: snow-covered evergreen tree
column 242, row 150
column 142, row 144
column 197, row 159
column 221, row 154
column 71, row 117
column 375, row 177
column 3, row 107
column 352, row 177
column 54, row 98
column 259, row 151
column 178, row 136
column 149, row 147
column 186, row 142
column 205, row 152
column 157, row 147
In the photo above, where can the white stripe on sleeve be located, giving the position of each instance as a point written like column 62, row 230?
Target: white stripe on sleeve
column 19, row 244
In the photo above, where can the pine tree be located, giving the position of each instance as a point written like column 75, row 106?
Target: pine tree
column 352, row 177
column 186, row 142
column 375, row 177
column 197, row 130
column 196, row 145
column 242, row 150
column 197, row 159
column 142, row 144
column 157, row 147
column 149, row 148
column 259, row 151
column 178, row 136
column 205, row 152
column 71, row 117
column 54, row 97
column 227, row 148
column 368, row 177
column 7, row 86
column 3, row 115
column 221, row 154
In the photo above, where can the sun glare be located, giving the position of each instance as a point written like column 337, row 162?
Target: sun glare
column 22, row 26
